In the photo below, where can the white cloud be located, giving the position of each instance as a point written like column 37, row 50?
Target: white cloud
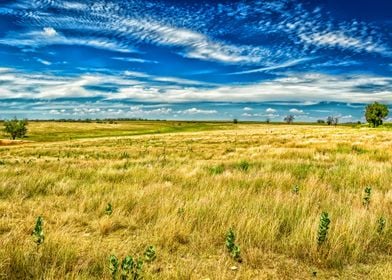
column 49, row 32
column 340, row 39
column 49, row 36
column 45, row 62
column 296, row 111
column 274, row 67
column 194, row 111
column 301, row 89
column 270, row 110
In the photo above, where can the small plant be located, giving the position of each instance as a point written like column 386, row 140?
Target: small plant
column 218, row 169
column 109, row 209
column 113, row 266
column 150, row 254
column 295, row 189
column 126, row 267
column 381, row 225
column 38, row 232
column 137, row 270
column 323, row 228
column 130, row 268
column 243, row 165
column 367, row 196
column 231, row 246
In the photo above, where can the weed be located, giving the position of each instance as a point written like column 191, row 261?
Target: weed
column 367, row 196
column 295, row 189
column 113, row 266
column 126, row 267
column 149, row 254
column 231, row 246
column 38, row 232
column 323, row 228
column 109, row 209
column 381, row 225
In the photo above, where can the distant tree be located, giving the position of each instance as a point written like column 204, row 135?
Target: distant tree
column 289, row 119
column 376, row 113
column 335, row 121
column 320, row 121
column 16, row 128
column 330, row 120
column 268, row 120
column 235, row 121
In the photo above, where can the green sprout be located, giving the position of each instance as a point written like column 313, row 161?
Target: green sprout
column 38, row 232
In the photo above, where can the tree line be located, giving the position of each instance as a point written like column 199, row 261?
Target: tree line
column 375, row 114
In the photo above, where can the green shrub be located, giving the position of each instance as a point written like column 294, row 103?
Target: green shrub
column 113, row 266
column 38, row 232
column 381, row 224
column 323, row 228
column 149, row 254
column 232, row 247
column 109, row 209
column 367, row 196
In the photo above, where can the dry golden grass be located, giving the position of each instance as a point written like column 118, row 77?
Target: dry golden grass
column 181, row 192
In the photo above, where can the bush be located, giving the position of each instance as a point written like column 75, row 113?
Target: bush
column 16, row 128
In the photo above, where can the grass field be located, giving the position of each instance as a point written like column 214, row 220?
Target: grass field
column 181, row 186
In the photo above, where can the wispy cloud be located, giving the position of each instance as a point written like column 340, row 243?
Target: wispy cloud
column 285, row 64
column 49, row 36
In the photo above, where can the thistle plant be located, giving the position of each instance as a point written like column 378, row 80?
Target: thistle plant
column 137, row 270
column 130, row 268
column 367, row 196
column 109, row 209
column 150, row 254
column 233, row 249
column 323, row 228
column 295, row 189
column 113, row 266
column 126, row 267
column 381, row 225
column 38, row 232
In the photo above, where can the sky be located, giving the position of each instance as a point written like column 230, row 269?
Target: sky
column 194, row 60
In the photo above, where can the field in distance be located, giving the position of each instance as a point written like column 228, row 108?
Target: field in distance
column 180, row 187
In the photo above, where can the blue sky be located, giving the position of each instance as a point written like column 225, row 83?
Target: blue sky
column 250, row 60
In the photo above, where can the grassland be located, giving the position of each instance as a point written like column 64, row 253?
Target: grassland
column 182, row 190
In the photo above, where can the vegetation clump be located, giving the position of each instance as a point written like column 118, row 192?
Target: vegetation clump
column 16, row 128
column 376, row 113
column 381, row 224
column 150, row 254
column 109, row 209
column 38, row 232
column 232, row 247
column 323, row 228
column 367, row 196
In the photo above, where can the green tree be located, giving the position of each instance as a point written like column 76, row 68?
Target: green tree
column 289, row 119
column 16, row 128
column 376, row 113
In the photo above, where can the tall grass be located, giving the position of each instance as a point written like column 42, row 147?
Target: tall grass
column 185, row 206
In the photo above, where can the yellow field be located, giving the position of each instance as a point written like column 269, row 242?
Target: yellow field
column 182, row 191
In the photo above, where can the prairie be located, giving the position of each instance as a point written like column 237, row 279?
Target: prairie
column 181, row 186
